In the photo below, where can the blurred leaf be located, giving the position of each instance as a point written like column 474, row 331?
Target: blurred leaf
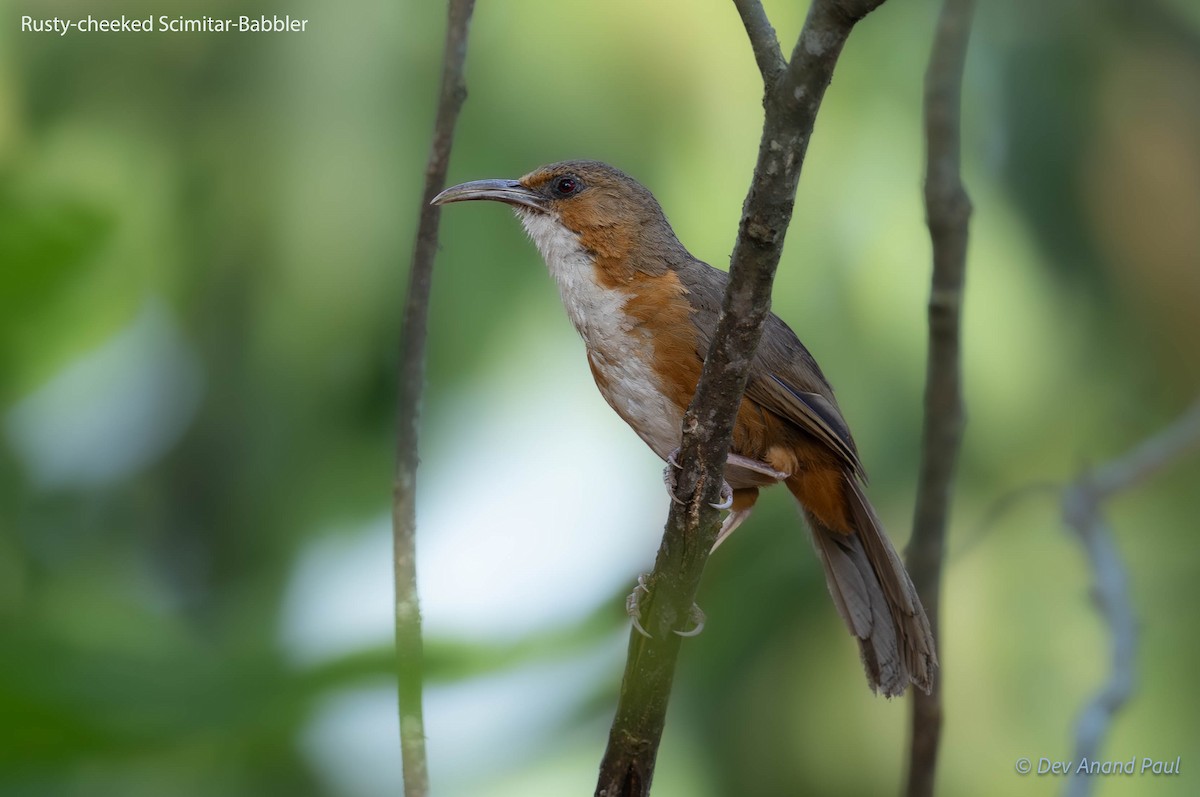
column 45, row 244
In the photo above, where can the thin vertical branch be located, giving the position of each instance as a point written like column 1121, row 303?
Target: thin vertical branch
column 791, row 100
column 948, row 211
column 413, row 333
column 1082, row 510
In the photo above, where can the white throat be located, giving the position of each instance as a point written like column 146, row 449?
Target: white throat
column 619, row 350
column 597, row 312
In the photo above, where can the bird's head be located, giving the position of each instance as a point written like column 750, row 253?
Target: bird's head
column 602, row 205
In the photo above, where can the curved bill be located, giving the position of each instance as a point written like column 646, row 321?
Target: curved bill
column 509, row 191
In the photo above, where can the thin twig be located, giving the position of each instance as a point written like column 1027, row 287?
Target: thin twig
column 763, row 40
column 791, row 102
column 413, row 332
column 1082, row 510
column 948, row 212
column 1000, row 507
column 1181, row 439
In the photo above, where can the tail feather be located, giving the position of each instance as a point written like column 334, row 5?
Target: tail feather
column 876, row 599
column 846, row 584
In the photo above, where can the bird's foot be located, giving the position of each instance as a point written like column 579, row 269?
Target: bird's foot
column 669, row 480
column 669, row 477
column 633, row 609
column 726, row 497
column 698, row 618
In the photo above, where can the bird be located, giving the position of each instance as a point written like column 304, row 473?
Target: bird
column 647, row 310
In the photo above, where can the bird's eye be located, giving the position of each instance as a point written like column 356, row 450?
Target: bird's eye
column 565, row 186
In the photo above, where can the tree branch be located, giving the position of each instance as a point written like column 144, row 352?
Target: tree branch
column 790, row 103
column 1083, row 513
column 413, row 333
column 1176, row 442
column 763, row 40
column 948, row 211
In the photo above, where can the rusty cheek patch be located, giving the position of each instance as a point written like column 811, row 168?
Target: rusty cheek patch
column 611, row 249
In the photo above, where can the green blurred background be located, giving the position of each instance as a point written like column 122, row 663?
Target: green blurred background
column 203, row 250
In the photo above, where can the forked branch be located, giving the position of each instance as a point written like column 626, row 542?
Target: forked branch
column 763, row 40
column 791, row 100
column 1083, row 511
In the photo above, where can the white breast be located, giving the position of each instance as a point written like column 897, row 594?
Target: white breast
column 619, row 349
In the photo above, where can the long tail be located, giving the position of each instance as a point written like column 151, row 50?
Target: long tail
column 876, row 598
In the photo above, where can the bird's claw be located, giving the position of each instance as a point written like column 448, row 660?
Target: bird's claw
column 698, row 617
column 633, row 609
column 726, row 501
column 669, row 476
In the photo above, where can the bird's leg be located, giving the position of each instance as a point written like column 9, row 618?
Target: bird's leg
column 742, row 506
column 669, row 480
column 740, row 502
column 633, row 609
column 734, row 519
column 669, row 476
